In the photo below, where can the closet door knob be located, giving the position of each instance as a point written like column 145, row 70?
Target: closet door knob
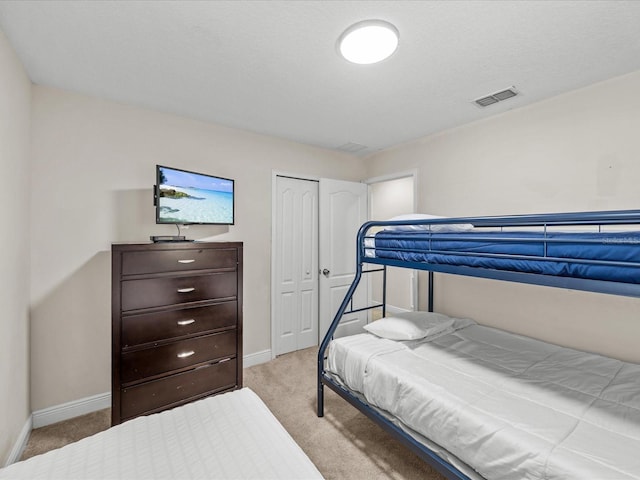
column 326, row 272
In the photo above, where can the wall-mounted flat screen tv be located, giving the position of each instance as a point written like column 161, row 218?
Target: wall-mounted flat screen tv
column 186, row 198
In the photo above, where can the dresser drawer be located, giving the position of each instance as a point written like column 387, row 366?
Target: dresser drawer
column 151, row 327
column 165, row 358
column 160, row 261
column 158, row 292
column 176, row 388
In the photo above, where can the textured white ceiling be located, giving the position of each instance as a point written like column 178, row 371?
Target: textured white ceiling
column 272, row 67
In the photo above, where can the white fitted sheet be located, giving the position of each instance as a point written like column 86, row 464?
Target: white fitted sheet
column 228, row 436
column 511, row 407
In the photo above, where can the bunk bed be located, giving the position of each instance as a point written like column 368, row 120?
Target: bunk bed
column 477, row 402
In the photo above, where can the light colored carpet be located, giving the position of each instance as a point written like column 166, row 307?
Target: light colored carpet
column 60, row 434
column 344, row 444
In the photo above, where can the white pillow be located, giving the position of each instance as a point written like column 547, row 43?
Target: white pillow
column 449, row 227
column 410, row 325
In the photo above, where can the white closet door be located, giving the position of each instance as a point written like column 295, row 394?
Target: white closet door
column 296, row 267
column 343, row 209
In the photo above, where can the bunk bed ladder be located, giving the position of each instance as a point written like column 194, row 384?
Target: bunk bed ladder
column 342, row 310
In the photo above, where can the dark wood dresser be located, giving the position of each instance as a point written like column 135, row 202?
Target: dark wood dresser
column 176, row 313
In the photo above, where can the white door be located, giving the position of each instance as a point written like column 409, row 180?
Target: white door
column 343, row 209
column 296, row 264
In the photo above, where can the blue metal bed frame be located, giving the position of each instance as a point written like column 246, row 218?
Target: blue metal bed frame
column 545, row 221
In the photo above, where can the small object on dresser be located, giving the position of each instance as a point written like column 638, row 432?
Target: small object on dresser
column 168, row 238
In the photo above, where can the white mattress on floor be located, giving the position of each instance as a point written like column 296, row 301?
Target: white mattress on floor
column 509, row 406
column 228, row 436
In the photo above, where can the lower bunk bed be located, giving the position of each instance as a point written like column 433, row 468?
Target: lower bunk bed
column 480, row 403
column 498, row 405
column 231, row 435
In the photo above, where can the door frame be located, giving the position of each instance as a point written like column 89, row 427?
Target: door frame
column 274, row 175
column 412, row 173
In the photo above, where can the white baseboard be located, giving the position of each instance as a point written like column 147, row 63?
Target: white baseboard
column 58, row 413
column 256, row 358
column 21, row 443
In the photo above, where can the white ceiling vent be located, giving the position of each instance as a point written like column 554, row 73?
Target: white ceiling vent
column 496, row 97
column 351, row 147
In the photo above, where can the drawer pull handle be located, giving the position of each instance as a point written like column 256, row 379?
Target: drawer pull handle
column 186, row 261
column 186, row 290
column 186, row 354
column 186, row 322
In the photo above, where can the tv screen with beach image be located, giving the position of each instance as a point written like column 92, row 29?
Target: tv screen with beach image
column 187, row 197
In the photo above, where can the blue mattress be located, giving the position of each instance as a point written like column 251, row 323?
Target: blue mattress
column 597, row 256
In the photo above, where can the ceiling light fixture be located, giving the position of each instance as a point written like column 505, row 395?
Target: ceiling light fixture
column 367, row 42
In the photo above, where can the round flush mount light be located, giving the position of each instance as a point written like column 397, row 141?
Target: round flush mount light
column 367, row 42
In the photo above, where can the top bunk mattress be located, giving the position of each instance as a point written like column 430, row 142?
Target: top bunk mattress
column 511, row 407
column 610, row 256
column 232, row 435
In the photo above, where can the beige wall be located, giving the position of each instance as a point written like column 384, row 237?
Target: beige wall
column 575, row 152
column 93, row 169
column 15, row 110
